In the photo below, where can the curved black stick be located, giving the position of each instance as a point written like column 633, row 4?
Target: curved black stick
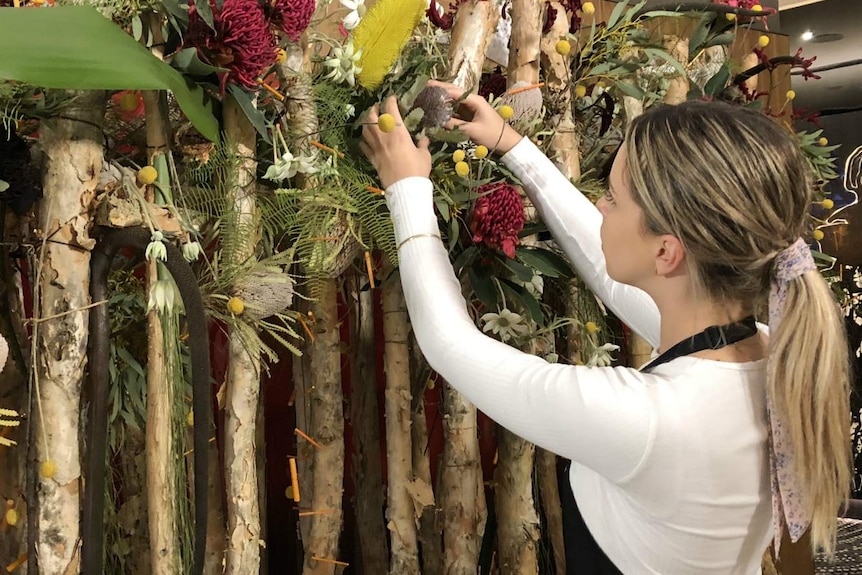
column 92, row 531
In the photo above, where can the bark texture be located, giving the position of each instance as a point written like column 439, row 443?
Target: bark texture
column 73, row 160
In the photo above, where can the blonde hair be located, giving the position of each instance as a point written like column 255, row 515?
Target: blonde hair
column 735, row 189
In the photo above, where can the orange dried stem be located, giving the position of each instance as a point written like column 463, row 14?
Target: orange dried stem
column 370, row 269
column 374, row 190
column 333, row 561
column 17, row 563
column 303, row 435
column 318, row 512
column 326, row 148
column 520, row 89
column 305, row 328
column 294, row 479
column 271, row 90
column 292, row 399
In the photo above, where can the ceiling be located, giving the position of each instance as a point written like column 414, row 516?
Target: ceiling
column 836, row 26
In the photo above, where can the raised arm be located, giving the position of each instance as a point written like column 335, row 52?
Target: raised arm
column 574, row 222
column 603, row 418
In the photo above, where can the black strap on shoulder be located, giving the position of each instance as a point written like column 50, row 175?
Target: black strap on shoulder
column 583, row 554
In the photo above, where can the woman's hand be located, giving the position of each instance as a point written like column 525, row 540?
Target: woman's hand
column 393, row 154
column 479, row 120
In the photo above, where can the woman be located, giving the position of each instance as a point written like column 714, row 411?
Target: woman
column 672, row 469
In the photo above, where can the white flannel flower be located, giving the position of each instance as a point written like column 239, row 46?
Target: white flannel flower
column 536, row 286
column 191, row 251
column 602, row 355
column 156, row 249
column 357, row 11
column 343, row 61
column 350, row 110
column 307, row 164
column 282, row 169
column 507, row 324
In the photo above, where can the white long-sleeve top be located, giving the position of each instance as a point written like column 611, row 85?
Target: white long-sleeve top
column 670, row 468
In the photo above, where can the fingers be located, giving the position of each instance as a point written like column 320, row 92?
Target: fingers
column 423, row 143
column 391, row 107
column 455, row 123
column 373, row 114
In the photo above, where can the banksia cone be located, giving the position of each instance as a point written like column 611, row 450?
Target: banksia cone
column 498, row 217
column 436, row 105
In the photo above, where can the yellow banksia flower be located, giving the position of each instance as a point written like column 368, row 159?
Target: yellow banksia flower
column 563, row 47
column 458, row 156
column 481, row 152
column 506, row 112
column 381, row 36
column 147, row 175
column 386, row 123
column 462, row 169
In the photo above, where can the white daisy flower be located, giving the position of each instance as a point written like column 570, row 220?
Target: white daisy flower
column 343, row 60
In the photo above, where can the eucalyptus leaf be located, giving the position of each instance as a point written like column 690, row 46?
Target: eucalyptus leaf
column 630, row 90
column 202, row 7
column 698, row 36
column 721, row 40
column 483, row 285
column 717, row 83
column 616, row 13
column 526, row 299
column 544, row 261
column 89, row 52
column 254, row 115
column 662, row 55
column 188, row 62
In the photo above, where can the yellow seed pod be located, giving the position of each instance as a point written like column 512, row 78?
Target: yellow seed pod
column 48, row 469
column 289, row 492
column 588, row 8
column 190, row 418
column 817, row 235
column 430, row 384
column 791, row 94
column 506, row 112
column 458, row 156
column 823, row 141
column 563, row 47
column 827, row 204
column 235, row 306
column 11, row 517
column 481, row 152
column 386, row 123
column 580, row 91
column 757, row 8
column 280, row 55
column 763, row 41
column 591, row 327
column 462, row 169
column 147, row 175
column 730, row 17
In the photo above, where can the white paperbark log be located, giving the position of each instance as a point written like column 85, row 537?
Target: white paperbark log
column 677, row 89
column 73, row 156
column 243, row 378
column 565, row 143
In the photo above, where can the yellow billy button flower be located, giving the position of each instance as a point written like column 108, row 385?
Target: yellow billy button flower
column 730, row 16
column 280, row 55
column 458, row 156
column 591, row 327
column 588, row 8
column 580, row 91
column 827, row 204
column 147, row 175
column 386, row 123
column 506, row 112
column 430, row 384
column 791, row 94
column 481, row 152
column 823, row 141
column 757, row 8
column 48, row 469
column 763, row 41
column 563, row 47
column 462, row 169
column 235, row 306
column 11, row 517
column 817, row 235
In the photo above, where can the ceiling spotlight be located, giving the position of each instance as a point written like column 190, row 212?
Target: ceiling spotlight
column 807, row 35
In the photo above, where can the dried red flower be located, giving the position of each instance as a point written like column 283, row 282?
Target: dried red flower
column 498, row 217
column 242, row 41
column 290, row 16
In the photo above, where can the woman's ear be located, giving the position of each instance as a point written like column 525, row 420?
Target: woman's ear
column 670, row 255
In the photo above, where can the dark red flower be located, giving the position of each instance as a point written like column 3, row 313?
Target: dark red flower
column 498, row 217
column 242, row 41
column 290, row 16
column 492, row 83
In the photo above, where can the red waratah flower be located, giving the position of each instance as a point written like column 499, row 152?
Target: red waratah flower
column 498, row 217
column 242, row 41
column 290, row 16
